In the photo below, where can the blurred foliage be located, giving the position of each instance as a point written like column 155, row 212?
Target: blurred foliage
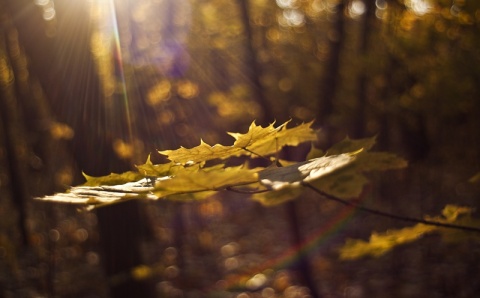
column 187, row 173
column 380, row 244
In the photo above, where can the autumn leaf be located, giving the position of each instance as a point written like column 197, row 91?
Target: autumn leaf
column 293, row 175
column 269, row 140
column 379, row 161
column 205, row 180
column 276, row 197
column 150, row 169
column 169, row 169
column 345, row 184
column 104, row 194
column 350, row 145
column 381, row 243
column 261, row 141
column 185, row 177
column 112, row 179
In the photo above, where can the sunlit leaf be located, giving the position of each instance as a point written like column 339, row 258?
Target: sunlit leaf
column 269, row 140
column 452, row 212
column 261, row 141
column 150, row 169
column 167, row 169
column 105, row 194
column 381, row 243
column 307, row 171
column 204, row 180
column 187, row 178
column 112, row 179
column 202, row 152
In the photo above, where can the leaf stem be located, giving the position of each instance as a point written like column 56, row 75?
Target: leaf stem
column 245, row 191
column 391, row 215
column 254, row 153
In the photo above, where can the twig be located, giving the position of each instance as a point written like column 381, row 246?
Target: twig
column 245, row 191
column 391, row 215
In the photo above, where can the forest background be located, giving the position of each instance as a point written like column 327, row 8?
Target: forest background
column 97, row 86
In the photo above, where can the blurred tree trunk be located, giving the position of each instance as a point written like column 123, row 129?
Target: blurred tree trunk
column 122, row 230
column 360, row 116
column 303, row 266
column 253, row 73
column 253, row 67
column 328, row 85
column 401, row 129
column 13, row 147
column 61, row 58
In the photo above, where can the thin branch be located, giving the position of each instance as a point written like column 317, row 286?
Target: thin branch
column 254, row 153
column 245, row 191
column 391, row 215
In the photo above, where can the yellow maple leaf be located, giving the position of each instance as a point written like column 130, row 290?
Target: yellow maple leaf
column 205, row 180
column 261, row 141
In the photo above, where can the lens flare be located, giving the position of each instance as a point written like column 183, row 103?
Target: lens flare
column 332, row 227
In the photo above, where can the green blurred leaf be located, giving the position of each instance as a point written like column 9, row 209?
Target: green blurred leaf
column 349, row 145
column 379, row 161
column 345, row 184
column 315, row 153
column 276, row 197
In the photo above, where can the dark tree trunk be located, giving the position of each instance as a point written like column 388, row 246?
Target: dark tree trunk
column 360, row 117
column 303, row 266
column 122, row 231
column 253, row 70
column 328, row 86
column 65, row 67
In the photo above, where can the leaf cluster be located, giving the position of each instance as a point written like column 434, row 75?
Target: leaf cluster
column 199, row 172
column 339, row 174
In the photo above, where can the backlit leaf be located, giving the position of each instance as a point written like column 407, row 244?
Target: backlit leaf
column 202, row 152
column 105, row 194
column 150, row 169
column 269, row 140
column 307, row 171
column 205, row 180
column 381, row 243
column 261, row 141
column 112, row 179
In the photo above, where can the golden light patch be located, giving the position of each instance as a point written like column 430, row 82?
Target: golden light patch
column 159, row 93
